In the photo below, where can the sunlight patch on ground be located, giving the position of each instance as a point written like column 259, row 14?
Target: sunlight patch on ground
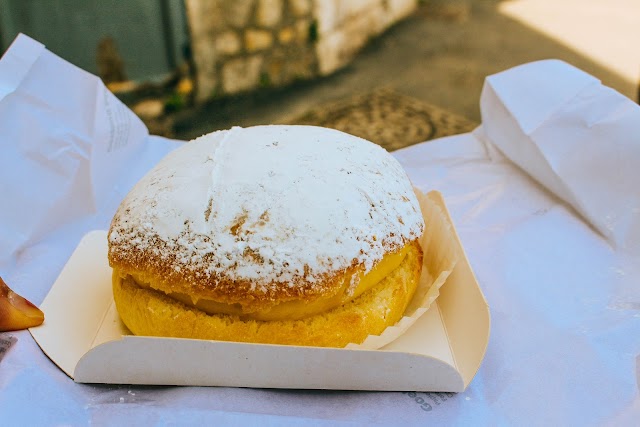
column 605, row 31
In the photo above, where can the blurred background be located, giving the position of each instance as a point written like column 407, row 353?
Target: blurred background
column 396, row 72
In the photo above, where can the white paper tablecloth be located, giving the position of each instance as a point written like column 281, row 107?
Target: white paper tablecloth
column 554, row 249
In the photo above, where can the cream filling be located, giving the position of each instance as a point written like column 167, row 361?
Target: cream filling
column 292, row 310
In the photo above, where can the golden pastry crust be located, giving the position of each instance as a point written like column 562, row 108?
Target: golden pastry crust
column 148, row 312
column 157, row 272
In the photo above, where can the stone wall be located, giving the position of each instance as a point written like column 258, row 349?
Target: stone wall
column 241, row 45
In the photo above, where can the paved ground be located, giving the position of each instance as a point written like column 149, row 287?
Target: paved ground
column 440, row 56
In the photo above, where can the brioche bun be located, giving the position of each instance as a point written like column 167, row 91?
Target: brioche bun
column 272, row 234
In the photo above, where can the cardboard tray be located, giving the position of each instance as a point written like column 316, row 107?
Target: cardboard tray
column 84, row 336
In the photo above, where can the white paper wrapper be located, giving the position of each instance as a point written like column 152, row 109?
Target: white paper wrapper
column 70, row 152
column 579, row 139
column 72, row 156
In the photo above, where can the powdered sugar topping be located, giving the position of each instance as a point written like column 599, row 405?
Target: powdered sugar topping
column 271, row 204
